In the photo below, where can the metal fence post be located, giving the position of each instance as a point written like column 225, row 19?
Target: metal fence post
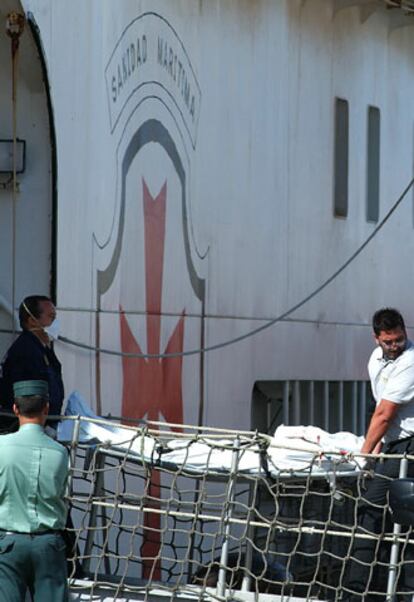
column 326, row 407
column 221, row 582
column 392, row 571
column 72, row 453
column 97, row 492
column 245, row 587
column 311, row 402
column 286, row 402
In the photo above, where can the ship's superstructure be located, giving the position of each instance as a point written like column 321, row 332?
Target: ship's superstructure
column 201, row 169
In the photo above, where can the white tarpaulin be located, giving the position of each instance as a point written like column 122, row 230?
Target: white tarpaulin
column 302, row 448
column 111, row 435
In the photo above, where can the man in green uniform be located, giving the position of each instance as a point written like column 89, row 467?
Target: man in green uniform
column 33, row 477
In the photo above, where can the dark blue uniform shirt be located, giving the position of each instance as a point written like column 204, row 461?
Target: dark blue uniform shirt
column 29, row 359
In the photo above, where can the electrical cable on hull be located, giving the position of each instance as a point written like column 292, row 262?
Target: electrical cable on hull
column 268, row 324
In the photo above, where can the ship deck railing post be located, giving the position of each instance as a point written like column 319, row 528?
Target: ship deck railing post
column 221, row 582
column 395, row 548
column 98, row 489
column 245, row 587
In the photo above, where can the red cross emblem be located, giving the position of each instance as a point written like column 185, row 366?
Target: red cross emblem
column 152, row 387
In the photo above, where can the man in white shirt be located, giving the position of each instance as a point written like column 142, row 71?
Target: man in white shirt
column 391, row 430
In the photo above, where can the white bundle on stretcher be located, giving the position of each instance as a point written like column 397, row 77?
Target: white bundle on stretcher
column 291, row 449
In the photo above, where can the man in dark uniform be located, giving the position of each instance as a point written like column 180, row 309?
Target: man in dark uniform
column 31, row 356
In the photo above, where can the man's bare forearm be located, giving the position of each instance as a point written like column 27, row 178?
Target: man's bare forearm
column 377, row 429
column 379, row 425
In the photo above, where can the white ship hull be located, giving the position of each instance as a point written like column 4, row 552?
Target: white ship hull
column 240, row 163
column 179, row 192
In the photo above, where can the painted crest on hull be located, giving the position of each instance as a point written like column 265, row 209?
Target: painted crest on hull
column 150, row 297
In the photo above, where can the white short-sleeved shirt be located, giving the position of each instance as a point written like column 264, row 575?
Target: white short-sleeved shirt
column 394, row 380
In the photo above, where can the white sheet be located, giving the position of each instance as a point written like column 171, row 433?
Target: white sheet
column 294, row 447
column 292, row 450
column 111, row 436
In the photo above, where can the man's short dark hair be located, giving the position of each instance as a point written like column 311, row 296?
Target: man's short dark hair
column 387, row 319
column 31, row 405
column 31, row 304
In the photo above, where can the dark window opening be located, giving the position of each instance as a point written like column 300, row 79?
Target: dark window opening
column 341, row 158
column 373, row 164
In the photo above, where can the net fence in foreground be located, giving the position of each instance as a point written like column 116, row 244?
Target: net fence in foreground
column 214, row 514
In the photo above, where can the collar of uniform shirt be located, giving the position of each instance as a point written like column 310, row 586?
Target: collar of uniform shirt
column 32, row 427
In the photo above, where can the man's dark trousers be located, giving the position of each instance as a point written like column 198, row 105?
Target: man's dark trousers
column 33, row 561
column 369, row 570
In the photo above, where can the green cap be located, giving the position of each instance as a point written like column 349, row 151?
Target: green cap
column 25, row 388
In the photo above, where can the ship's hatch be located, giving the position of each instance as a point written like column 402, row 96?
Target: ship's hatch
column 26, row 200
